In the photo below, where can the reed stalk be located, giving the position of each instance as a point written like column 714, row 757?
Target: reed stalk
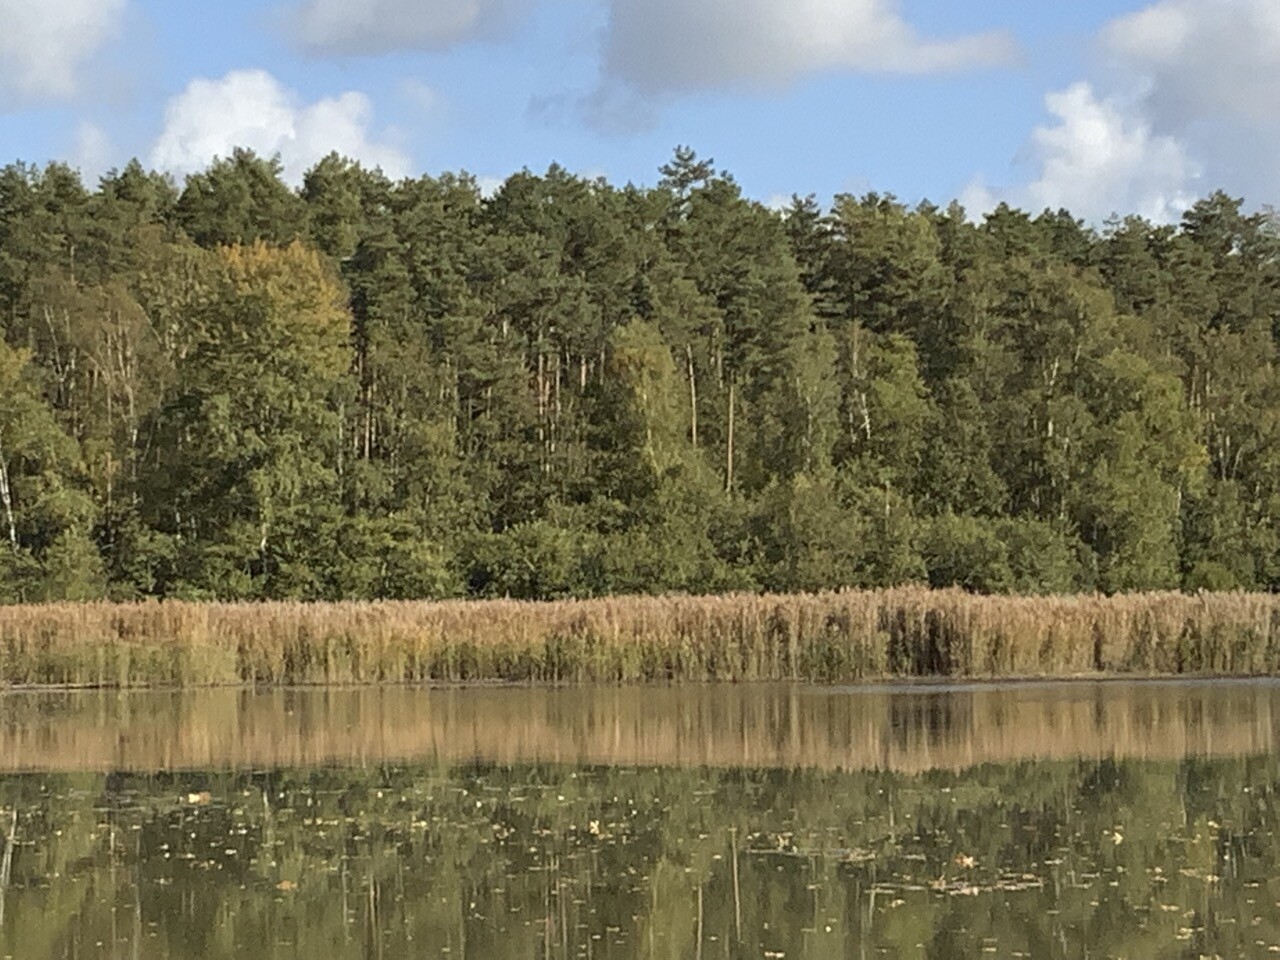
column 829, row 638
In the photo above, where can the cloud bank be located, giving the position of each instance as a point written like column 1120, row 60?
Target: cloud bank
column 1191, row 104
column 668, row 46
column 250, row 108
column 44, row 44
column 656, row 50
column 355, row 27
column 1096, row 158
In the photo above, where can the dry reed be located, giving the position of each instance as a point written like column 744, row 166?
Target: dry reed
column 830, row 637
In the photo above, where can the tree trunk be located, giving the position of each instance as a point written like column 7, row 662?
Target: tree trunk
column 6, row 498
column 693, row 398
column 368, row 421
column 728, row 471
column 555, row 403
column 342, row 422
column 542, row 410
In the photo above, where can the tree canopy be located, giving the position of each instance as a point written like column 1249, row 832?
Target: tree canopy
column 374, row 389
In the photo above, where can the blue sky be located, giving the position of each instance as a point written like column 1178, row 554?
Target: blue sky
column 1099, row 105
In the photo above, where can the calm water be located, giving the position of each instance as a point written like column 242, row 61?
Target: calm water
column 1083, row 820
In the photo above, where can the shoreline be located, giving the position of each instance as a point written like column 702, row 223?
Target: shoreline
column 886, row 684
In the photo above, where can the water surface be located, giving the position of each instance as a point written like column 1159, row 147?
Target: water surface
column 1045, row 820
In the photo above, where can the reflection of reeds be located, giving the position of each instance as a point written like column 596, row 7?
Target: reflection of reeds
column 768, row 725
column 6, row 862
column 851, row 635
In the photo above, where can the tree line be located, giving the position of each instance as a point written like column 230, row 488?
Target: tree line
column 372, row 389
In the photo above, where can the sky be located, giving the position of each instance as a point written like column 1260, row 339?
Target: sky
column 1099, row 106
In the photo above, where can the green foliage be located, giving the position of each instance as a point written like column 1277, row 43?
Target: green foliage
column 530, row 561
column 240, row 200
column 1043, row 559
column 956, row 471
column 388, row 390
column 45, row 512
column 809, row 539
column 73, row 569
column 967, row 552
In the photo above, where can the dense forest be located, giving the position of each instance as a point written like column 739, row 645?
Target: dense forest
column 372, row 389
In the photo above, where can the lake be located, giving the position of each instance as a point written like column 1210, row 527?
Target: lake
column 1109, row 819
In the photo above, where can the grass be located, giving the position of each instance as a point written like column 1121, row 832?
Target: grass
column 830, row 637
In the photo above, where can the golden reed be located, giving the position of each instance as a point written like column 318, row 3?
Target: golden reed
column 829, row 637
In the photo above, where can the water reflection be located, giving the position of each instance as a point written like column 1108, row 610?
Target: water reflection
column 1133, row 821
column 906, row 728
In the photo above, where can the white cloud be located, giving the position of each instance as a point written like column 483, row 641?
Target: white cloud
column 1191, row 103
column 1096, row 159
column 489, row 186
column 44, row 44
column 352, row 27
column 1200, row 58
column 93, row 152
column 250, row 108
column 666, row 46
column 1210, row 74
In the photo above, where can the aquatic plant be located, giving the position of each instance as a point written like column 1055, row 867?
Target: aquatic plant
column 827, row 637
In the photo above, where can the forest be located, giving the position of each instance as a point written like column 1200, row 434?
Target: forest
column 234, row 389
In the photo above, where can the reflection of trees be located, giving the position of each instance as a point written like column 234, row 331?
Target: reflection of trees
column 1121, row 858
column 931, row 720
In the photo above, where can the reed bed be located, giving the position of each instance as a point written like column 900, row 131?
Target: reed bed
column 830, row 637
